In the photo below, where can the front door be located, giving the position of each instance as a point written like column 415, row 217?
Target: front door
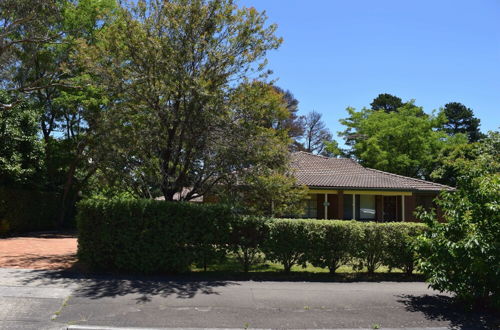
column 390, row 208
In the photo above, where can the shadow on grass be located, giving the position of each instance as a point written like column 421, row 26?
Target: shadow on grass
column 444, row 308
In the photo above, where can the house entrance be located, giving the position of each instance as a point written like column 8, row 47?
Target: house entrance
column 391, row 208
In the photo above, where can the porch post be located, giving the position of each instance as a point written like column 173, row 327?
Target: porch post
column 353, row 206
column 326, row 206
column 403, row 207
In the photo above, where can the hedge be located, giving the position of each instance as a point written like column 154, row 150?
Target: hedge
column 148, row 236
column 27, row 210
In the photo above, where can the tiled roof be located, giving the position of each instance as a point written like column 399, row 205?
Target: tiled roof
column 324, row 172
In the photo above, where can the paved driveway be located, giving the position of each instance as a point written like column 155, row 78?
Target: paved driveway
column 38, row 251
column 30, row 298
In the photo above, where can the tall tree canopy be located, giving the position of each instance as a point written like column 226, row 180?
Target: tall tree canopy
column 294, row 123
column 403, row 142
column 386, row 102
column 460, row 119
column 183, row 111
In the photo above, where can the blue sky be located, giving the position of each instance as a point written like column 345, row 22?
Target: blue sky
column 344, row 53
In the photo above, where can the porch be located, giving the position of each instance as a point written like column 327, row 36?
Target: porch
column 364, row 205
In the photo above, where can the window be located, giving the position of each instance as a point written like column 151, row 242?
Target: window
column 311, row 207
column 347, row 207
column 367, row 207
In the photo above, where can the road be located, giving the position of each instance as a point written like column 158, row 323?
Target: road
column 34, row 299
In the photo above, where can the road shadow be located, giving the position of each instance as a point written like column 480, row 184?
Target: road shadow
column 444, row 308
column 145, row 287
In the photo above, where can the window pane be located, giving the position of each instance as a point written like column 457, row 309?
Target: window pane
column 347, row 207
column 367, row 206
column 311, row 207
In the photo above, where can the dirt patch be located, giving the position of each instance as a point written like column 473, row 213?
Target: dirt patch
column 39, row 251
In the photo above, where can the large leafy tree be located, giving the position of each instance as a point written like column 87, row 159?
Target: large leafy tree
column 183, row 111
column 403, row 142
column 461, row 120
column 40, row 64
column 462, row 254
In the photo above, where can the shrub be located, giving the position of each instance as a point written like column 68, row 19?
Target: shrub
column 333, row 243
column 246, row 239
column 287, row 242
column 371, row 248
column 27, row 210
column 400, row 245
column 148, row 236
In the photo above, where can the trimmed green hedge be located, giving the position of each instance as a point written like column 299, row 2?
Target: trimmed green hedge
column 27, row 210
column 148, row 236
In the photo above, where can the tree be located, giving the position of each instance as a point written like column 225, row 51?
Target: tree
column 294, row 124
column 315, row 133
column 40, row 63
column 462, row 255
column 402, row 142
column 387, row 102
column 183, row 111
column 461, row 120
column 21, row 151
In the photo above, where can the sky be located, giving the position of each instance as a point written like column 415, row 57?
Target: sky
column 344, row 53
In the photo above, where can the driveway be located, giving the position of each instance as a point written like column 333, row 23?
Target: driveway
column 39, row 251
column 31, row 298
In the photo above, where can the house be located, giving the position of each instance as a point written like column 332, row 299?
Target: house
column 343, row 189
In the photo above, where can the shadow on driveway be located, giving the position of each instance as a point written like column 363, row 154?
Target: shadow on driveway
column 444, row 308
column 102, row 286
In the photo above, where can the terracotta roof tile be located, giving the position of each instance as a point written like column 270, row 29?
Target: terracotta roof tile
column 319, row 171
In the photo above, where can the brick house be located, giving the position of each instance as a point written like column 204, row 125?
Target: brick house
column 343, row 189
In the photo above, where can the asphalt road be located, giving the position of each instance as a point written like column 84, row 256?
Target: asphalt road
column 32, row 299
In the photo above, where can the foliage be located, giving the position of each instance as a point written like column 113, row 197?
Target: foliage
column 26, row 210
column 287, row 242
column 21, row 152
column 387, row 102
column 142, row 235
column 24, row 22
column 248, row 234
column 405, row 142
column 333, row 243
column 266, row 192
column 293, row 124
column 400, row 245
column 148, row 236
column 461, row 120
column 372, row 247
column 462, row 255
column 193, row 117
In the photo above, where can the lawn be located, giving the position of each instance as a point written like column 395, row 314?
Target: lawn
column 269, row 270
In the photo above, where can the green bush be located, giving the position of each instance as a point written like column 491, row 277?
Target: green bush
column 400, row 245
column 148, row 236
column 27, row 210
column 370, row 251
column 287, row 242
column 246, row 239
column 333, row 243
